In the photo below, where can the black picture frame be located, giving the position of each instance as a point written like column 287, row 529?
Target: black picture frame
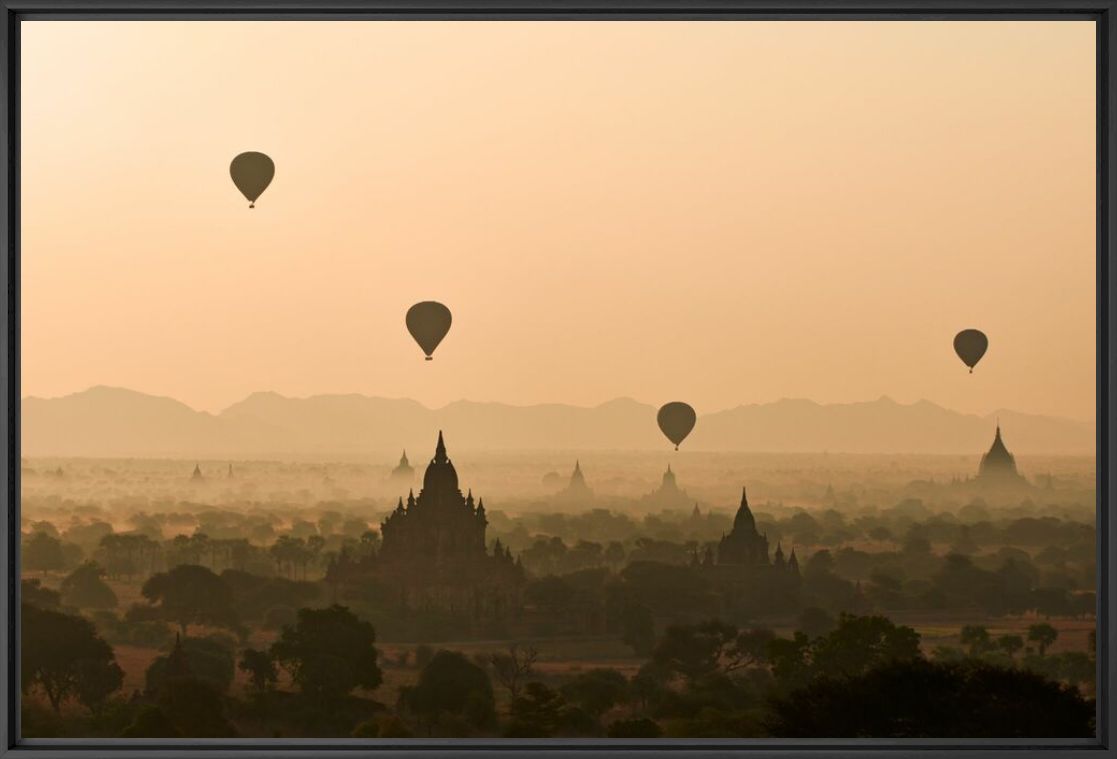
column 1102, row 12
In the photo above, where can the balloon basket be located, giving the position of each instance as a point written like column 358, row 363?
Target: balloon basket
column 430, row 358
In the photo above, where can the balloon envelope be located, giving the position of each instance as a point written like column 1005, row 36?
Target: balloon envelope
column 676, row 420
column 970, row 345
column 428, row 322
column 252, row 173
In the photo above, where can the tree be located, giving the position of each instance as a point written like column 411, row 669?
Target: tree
column 815, row 622
column 638, row 628
column 209, row 659
column 261, row 670
column 537, row 713
column 42, row 553
column 512, row 668
column 194, row 707
column 860, row 643
column 921, row 699
column 191, row 594
column 752, row 647
column 694, row 651
column 790, row 659
column 85, row 589
column 151, row 722
column 63, row 655
column 1043, row 635
column 1010, row 644
column 641, row 727
column 452, row 684
column 976, row 638
column 329, row 652
column 596, row 691
column 33, row 592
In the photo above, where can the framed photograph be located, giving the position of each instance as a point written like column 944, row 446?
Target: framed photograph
column 408, row 378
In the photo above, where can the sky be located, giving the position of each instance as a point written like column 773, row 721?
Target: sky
column 719, row 213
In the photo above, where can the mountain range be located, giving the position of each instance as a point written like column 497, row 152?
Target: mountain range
column 113, row 422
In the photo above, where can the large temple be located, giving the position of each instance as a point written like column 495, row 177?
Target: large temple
column 748, row 578
column 433, row 553
column 744, row 545
column 576, row 491
column 668, row 496
column 404, row 472
column 998, row 466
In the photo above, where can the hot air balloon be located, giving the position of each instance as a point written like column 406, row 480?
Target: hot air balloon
column 676, row 420
column 428, row 322
column 970, row 345
column 252, row 173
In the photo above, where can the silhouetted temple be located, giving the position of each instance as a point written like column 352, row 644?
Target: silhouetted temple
column 998, row 466
column 197, row 473
column 749, row 580
column 668, row 496
column 433, row 553
column 744, row 545
column 404, row 472
column 576, row 491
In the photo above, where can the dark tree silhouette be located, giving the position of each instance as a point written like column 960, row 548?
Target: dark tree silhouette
column 329, row 652
column 452, row 684
column 537, row 713
column 513, row 667
column 42, row 553
column 641, row 727
column 34, row 593
column 85, row 589
column 596, row 691
column 1010, row 644
column 63, row 655
column 195, row 709
column 208, row 659
column 151, row 722
column 638, row 628
column 860, row 643
column 697, row 651
column 261, row 669
column 922, row 699
column 191, row 594
column 976, row 638
column 1043, row 635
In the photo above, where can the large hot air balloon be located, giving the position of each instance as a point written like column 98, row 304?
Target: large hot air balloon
column 676, row 420
column 428, row 322
column 252, row 173
column 970, row 345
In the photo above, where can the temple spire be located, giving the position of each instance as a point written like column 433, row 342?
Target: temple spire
column 440, row 450
column 744, row 519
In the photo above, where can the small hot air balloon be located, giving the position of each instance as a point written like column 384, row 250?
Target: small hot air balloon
column 970, row 345
column 676, row 420
column 428, row 322
column 252, row 173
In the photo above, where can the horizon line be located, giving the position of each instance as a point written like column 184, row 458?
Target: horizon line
column 606, row 402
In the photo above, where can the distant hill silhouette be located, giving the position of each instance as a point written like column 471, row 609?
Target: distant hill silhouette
column 105, row 421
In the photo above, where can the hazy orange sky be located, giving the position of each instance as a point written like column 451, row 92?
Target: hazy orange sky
column 722, row 213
